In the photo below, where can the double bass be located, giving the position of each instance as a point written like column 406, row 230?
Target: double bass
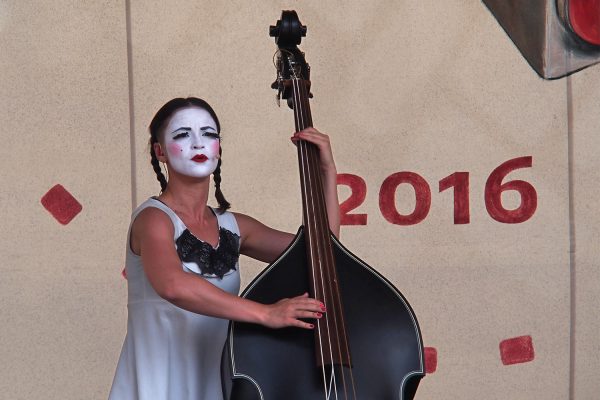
column 367, row 346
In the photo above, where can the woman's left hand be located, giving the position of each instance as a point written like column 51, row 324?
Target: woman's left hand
column 322, row 142
column 328, row 172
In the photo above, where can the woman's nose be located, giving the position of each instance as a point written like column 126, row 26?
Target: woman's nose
column 198, row 144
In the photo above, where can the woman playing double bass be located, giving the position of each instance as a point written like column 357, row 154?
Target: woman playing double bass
column 182, row 262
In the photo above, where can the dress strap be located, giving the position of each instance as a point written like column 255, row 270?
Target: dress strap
column 227, row 220
column 178, row 225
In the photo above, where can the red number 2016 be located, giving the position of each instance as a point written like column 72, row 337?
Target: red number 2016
column 459, row 181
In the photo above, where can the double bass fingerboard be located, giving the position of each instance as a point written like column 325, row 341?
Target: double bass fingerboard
column 331, row 337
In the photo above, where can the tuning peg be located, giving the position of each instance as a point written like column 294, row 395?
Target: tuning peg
column 288, row 31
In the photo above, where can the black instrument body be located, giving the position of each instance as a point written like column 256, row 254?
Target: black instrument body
column 385, row 340
column 368, row 345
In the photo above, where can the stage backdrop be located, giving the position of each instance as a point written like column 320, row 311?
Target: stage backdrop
column 468, row 179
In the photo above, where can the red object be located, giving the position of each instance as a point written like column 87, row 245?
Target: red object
column 358, row 188
column 61, row 204
column 387, row 198
column 430, row 360
column 460, row 182
column 517, row 350
column 200, row 158
column 124, row 273
column 584, row 18
column 494, row 188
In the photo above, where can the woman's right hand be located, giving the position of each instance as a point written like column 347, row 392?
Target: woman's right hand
column 286, row 312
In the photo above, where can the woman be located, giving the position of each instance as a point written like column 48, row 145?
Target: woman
column 182, row 267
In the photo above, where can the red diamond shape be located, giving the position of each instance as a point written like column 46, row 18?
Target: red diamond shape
column 430, row 360
column 517, row 350
column 61, row 204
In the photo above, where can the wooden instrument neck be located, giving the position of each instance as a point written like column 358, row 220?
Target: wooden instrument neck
column 331, row 331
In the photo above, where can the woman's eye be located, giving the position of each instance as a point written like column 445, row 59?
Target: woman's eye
column 180, row 135
column 212, row 135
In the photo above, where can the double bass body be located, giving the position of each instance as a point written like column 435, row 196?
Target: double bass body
column 368, row 345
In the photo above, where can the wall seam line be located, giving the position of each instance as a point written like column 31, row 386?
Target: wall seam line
column 132, row 143
column 572, row 239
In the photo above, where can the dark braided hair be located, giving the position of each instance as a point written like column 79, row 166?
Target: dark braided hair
column 156, row 125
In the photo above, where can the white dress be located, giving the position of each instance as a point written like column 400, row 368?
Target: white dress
column 170, row 353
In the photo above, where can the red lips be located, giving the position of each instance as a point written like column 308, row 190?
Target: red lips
column 199, row 158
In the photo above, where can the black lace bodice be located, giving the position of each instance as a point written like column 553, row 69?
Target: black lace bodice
column 211, row 261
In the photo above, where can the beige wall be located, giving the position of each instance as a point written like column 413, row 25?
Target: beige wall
column 585, row 128
column 64, row 120
column 432, row 88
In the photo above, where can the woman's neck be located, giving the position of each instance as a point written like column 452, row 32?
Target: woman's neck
column 189, row 198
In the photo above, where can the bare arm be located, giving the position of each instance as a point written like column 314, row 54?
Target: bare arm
column 152, row 237
column 260, row 241
column 152, row 234
column 328, row 173
column 264, row 243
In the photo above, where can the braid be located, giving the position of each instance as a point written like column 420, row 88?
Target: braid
column 156, row 166
column 223, row 204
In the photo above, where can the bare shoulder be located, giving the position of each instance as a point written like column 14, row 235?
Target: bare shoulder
column 153, row 217
column 150, row 224
column 260, row 241
column 247, row 224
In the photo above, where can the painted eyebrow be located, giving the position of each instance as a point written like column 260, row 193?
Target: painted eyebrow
column 183, row 128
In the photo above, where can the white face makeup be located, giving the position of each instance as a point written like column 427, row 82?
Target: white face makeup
column 192, row 142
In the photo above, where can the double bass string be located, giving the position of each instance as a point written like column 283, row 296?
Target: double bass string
column 324, row 250
column 303, row 169
column 331, row 280
column 327, row 253
column 303, row 121
column 317, row 205
column 326, row 273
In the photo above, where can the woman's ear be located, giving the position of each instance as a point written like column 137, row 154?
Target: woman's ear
column 160, row 155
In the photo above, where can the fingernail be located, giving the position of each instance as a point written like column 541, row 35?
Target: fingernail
column 311, row 326
column 319, row 315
